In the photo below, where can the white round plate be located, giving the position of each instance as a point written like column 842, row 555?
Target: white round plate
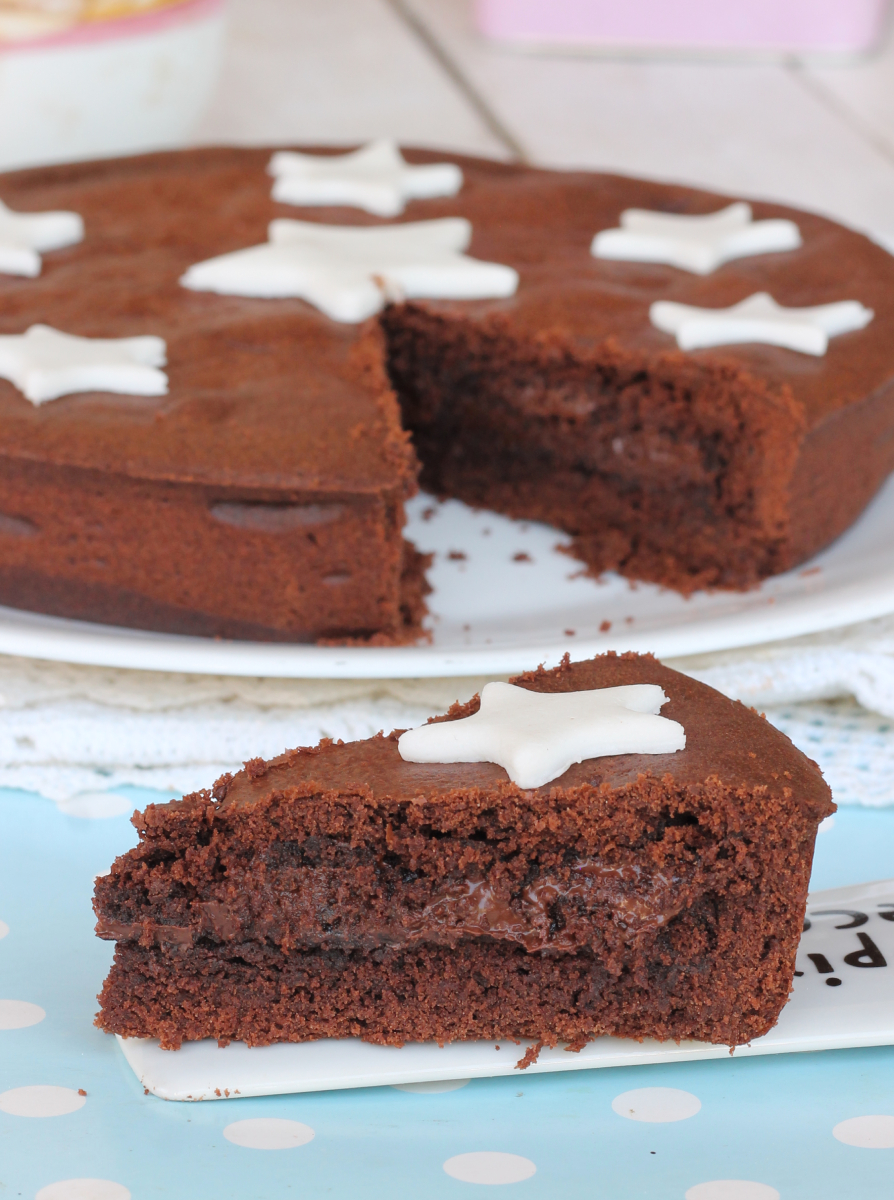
column 505, row 599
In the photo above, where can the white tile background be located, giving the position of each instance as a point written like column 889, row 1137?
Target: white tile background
column 818, row 136
column 339, row 71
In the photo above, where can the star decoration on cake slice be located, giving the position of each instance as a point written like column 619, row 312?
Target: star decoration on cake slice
column 759, row 319
column 351, row 272
column 24, row 236
column 45, row 364
column 694, row 243
column 375, row 178
column 536, row 736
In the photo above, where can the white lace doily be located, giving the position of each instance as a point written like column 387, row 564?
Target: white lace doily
column 69, row 729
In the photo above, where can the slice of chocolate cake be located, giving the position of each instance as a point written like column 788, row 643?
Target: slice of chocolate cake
column 342, row 891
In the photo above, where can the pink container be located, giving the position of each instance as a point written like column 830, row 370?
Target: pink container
column 768, row 26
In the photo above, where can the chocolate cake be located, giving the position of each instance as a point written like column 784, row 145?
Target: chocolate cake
column 263, row 497
column 341, row 891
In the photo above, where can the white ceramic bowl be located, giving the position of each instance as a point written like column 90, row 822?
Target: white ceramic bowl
column 109, row 87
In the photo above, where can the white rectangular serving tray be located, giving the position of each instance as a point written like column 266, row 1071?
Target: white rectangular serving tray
column 843, row 997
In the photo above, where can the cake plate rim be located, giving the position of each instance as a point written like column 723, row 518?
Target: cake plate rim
column 549, row 608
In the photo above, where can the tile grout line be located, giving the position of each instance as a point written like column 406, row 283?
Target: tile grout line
column 799, row 72
column 451, row 68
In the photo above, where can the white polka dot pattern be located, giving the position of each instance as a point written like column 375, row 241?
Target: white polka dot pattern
column 869, row 1133
column 83, row 1189
column 656, row 1104
column 4, row 929
column 41, row 1100
column 268, row 1133
column 18, row 1014
column 489, row 1166
column 96, row 806
column 732, row 1189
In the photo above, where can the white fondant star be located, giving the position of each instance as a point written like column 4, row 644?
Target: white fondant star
column 759, row 319
column 24, row 235
column 375, row 178
column 697, row 244
column 45, row 364
column 536, row 736
column 349, row 273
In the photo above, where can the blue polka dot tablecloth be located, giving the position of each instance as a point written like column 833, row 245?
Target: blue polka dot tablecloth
column 76, row 1125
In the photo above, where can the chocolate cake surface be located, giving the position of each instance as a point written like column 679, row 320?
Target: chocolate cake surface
column 282, row 451
column 341, row 891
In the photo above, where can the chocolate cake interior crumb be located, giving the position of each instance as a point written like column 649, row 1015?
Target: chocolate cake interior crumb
column 666, row 469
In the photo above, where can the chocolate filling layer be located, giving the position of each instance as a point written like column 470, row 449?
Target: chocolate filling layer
column 311, row 908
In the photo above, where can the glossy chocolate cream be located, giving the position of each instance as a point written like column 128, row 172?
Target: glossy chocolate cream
column 263, row 497
column 340, row 891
